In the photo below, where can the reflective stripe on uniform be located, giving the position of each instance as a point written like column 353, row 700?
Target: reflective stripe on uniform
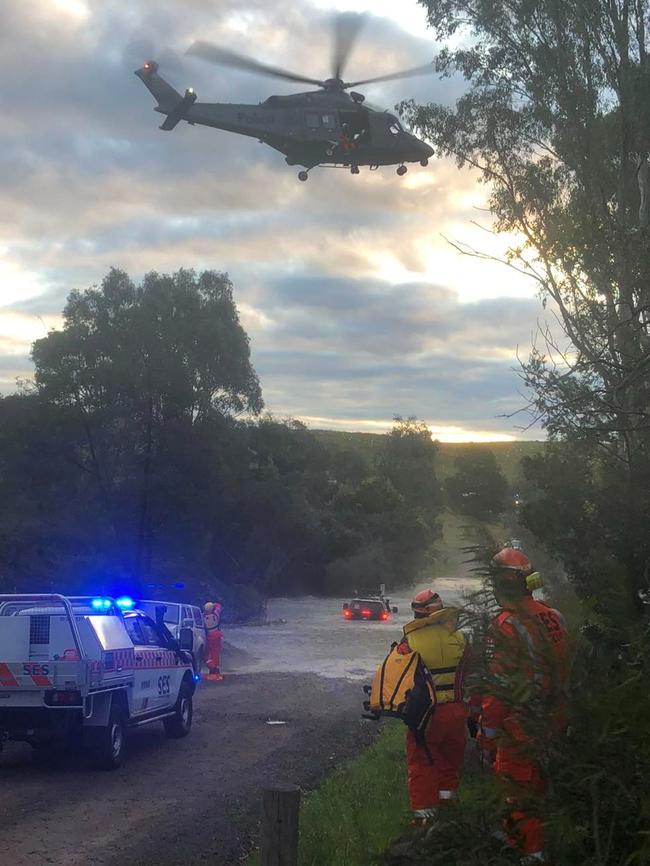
column 490, row 733
column 424, row 813
column 522, row 631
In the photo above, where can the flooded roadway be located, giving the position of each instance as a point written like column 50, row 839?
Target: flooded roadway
column 309, row 634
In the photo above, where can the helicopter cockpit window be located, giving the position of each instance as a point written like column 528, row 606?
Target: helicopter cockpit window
column 395, row 127
column 312, row 119
column 329, row 121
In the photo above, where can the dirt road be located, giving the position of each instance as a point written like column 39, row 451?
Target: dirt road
column 182, row 802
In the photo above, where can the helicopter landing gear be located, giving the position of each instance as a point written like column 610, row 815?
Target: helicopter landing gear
column 302, row 175
column 424, row 163
column 402, row 170
column 354, row 169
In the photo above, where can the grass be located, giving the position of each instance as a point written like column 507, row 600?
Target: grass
column 356, row 812
column 359, row 816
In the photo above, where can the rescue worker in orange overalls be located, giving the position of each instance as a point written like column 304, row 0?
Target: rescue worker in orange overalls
column 212, row 619
column 433, row 771
column 528, row 649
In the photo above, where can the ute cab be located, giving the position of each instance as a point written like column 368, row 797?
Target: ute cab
column 369, row 608
column 86, row 670
column 176, row 617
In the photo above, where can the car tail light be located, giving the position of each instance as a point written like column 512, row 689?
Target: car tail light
column 383, row 614
column 347, row 613
column 63, row 698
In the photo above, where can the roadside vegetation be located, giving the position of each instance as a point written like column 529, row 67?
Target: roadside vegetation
column 555, row 122
column 139, row 460
column 358, row 810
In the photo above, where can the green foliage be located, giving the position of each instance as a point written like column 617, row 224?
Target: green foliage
column 555, row 121
column 598, row 806
column 477, row 487
column 127, row 466
column 169, row 349
column 593, row 515
column 463, row 834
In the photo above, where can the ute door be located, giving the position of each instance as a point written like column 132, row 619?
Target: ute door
column 142, row 696
column 163, row 664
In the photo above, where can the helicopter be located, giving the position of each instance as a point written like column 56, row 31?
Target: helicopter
column 329, row 127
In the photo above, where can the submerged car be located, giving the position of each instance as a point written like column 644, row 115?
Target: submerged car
column 376, row 608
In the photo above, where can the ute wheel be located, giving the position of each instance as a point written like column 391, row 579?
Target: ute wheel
column 302, row 175
column 180, row 724
column 110, row 741
column 402, row 170
column 424, row 163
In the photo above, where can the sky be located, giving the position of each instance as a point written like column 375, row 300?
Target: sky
column 357, row 306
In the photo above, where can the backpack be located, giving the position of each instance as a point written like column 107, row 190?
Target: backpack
column 403, row 688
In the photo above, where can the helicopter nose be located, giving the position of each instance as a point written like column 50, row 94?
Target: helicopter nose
column 427, row 150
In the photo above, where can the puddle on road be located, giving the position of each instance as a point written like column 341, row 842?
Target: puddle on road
column 309, row 635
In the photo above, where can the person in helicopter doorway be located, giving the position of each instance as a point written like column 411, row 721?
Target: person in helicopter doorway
column 347, row 146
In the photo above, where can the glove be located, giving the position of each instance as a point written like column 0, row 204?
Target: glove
column 472, row 727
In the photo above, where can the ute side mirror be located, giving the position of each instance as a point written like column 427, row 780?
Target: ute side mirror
column 394, row 610
column 186, row 639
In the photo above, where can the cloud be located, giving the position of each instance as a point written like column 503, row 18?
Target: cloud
column 353, row 299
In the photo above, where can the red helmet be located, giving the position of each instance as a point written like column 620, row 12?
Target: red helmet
column 426, row 602
column 512, row 559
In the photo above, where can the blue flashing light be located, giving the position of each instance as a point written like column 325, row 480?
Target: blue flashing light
column 196, row 678
column 125, row 602
column 101, row 603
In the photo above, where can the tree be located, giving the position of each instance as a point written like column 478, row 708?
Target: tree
column 477, row 487
column 408, row 460
column 140, row 373
column 556, row 120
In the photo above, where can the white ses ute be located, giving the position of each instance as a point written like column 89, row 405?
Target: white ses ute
column 88, row 669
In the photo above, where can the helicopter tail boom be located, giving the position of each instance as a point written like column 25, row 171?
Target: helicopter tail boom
column 163, row 92
column 170, row 101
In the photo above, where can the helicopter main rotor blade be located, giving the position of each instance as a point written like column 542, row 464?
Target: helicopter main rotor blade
column 393, row 76
column 225, row 57
column 346, row 31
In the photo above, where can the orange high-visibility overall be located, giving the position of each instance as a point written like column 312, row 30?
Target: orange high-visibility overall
column 214, row 639
column 433, row 769
column 529, row 638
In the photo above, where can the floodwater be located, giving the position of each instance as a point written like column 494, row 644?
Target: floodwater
column 309, row 634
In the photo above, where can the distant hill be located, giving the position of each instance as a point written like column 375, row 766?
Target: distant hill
column 508, row 454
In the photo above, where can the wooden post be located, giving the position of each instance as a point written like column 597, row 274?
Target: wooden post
column 280, row 810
